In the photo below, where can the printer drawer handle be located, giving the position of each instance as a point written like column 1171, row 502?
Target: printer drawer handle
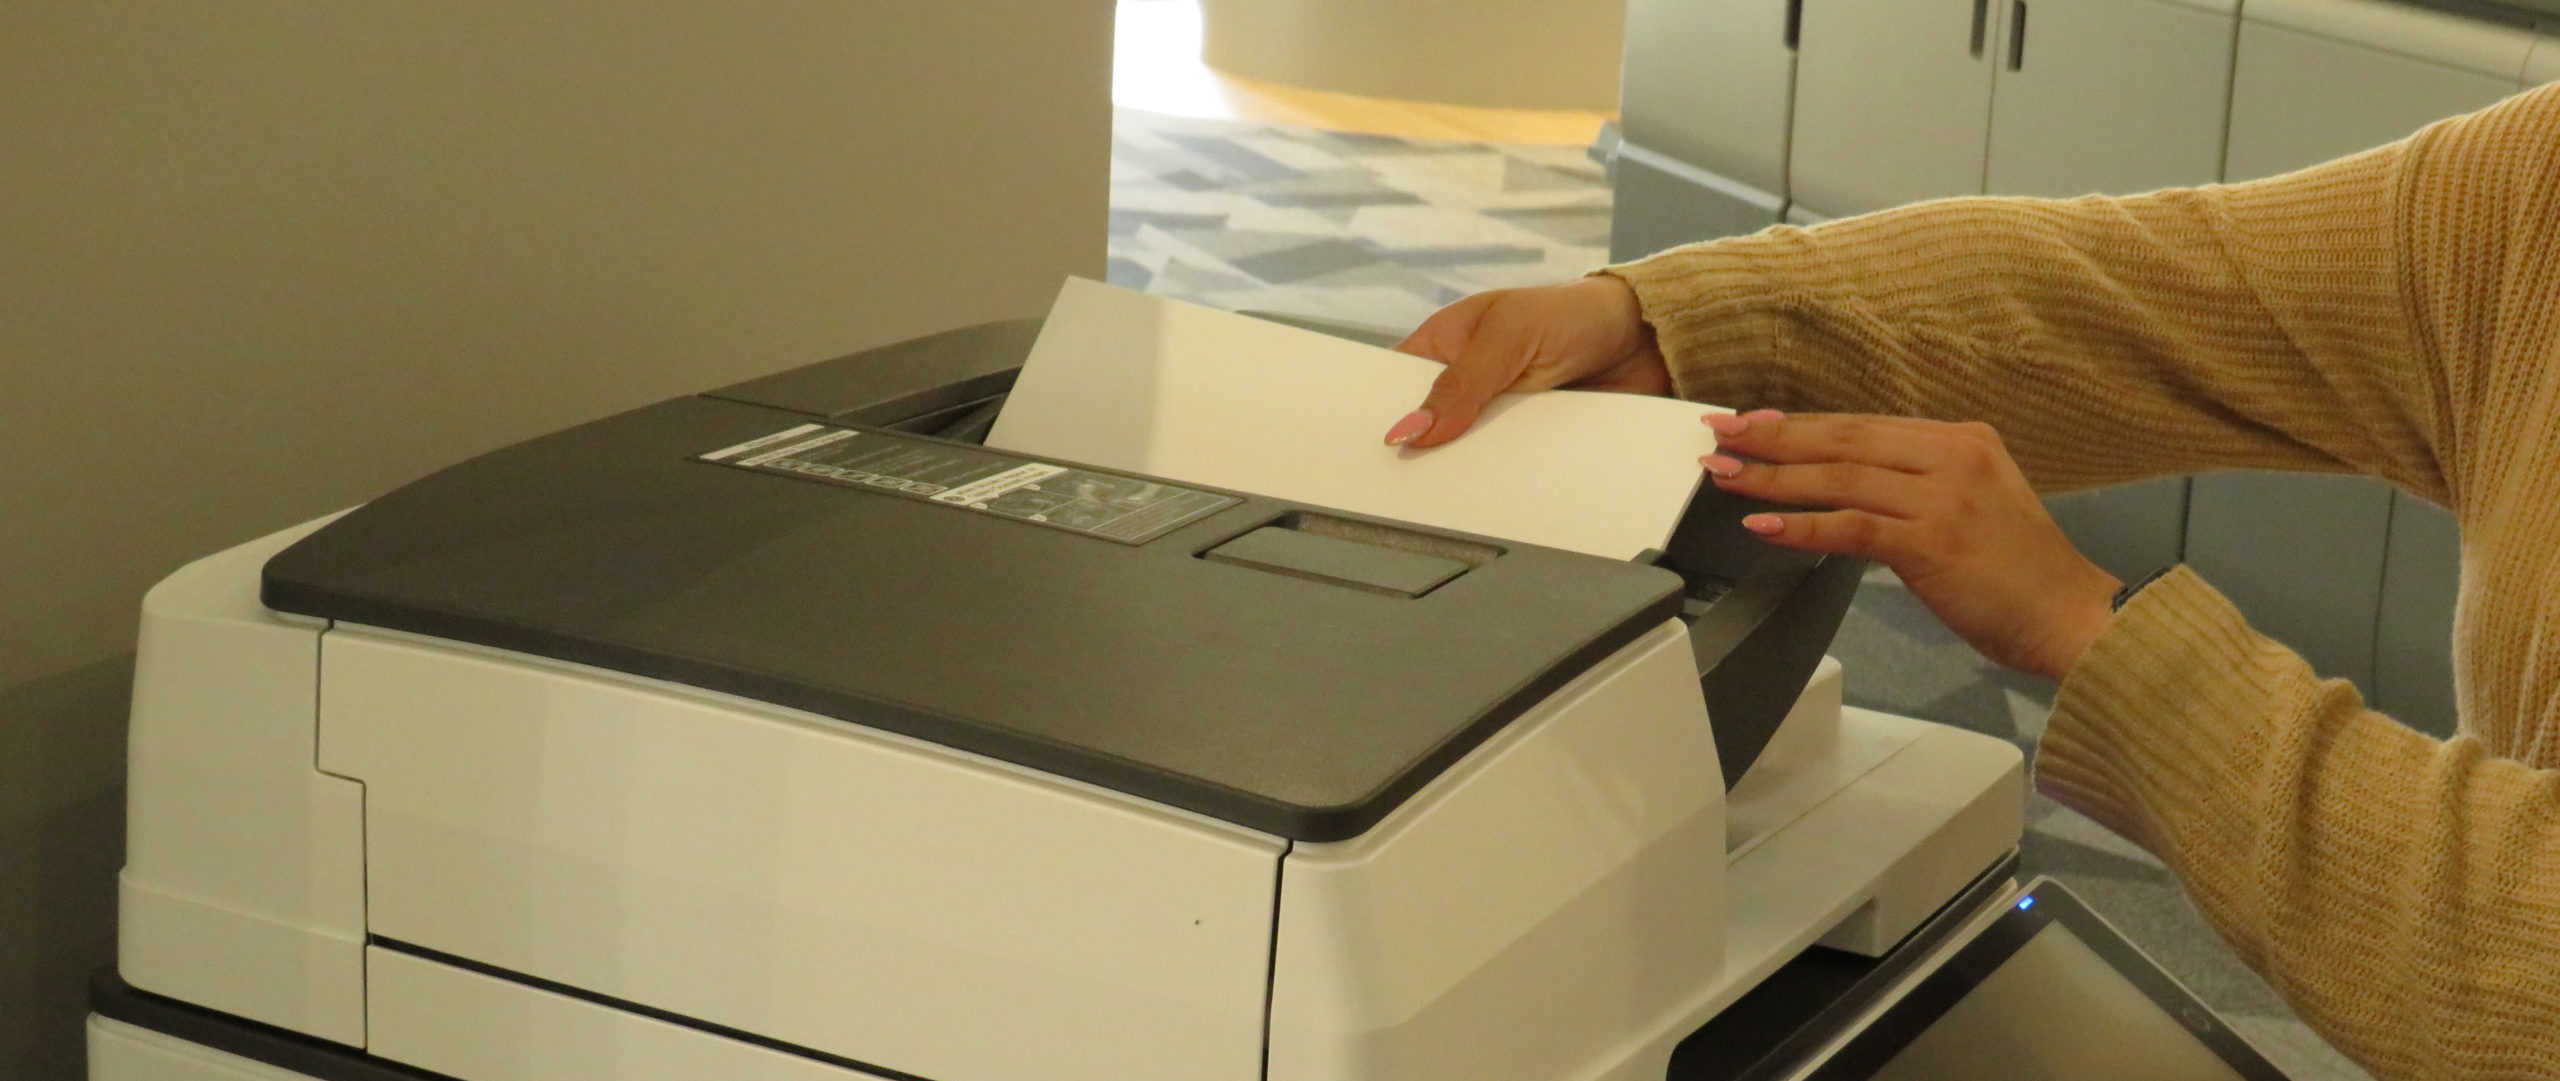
column 2017, row 34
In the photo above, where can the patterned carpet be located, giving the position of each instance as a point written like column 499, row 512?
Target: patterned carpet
column 1361, row 228
column 1382, row 231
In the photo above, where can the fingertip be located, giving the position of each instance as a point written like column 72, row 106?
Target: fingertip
column 1412, row 426
column 1767, row 525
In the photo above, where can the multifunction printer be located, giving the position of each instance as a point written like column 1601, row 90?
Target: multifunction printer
column 786, row 732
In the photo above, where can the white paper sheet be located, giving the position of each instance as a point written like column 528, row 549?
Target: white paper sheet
column 1125, row 380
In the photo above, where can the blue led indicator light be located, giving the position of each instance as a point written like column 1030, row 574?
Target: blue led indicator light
column 2026, row 904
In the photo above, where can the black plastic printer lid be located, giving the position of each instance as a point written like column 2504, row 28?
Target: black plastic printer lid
column 1289, row 705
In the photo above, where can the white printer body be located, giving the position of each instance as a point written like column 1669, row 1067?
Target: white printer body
column 430, row 791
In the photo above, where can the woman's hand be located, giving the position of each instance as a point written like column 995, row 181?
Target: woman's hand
column 1941, row 504
column 1588, row 333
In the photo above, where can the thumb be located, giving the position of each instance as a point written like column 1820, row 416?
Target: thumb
column 1450, row 337
column 1444, row 335
column 1462, row 391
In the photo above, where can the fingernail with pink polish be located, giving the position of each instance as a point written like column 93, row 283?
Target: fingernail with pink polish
column 1763, row 524
column 1771, row 416
column 1412, row 426
column 1726, row 423
column 1721, row 465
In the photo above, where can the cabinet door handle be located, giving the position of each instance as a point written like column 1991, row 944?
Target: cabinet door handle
column 2017, row 34
column 1981, row 25
column 1795, row 21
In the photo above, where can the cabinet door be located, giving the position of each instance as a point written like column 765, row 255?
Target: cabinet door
column 2413, row 642
column 1893, row 101
column 1661, row 203
column 2129, row 529
column 1710, row 85
column 2544, row 65
column 2110, row 95
column 2318, row 79
column 2302, row 558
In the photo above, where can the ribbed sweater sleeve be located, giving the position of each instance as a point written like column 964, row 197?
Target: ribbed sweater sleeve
column 2403, row 893
column 2389, row 313
column 2108, row 339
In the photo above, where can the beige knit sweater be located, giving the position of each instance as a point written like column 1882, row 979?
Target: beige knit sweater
column 2396, row 313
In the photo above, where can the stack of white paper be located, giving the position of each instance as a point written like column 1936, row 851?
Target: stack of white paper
column 1128, row 381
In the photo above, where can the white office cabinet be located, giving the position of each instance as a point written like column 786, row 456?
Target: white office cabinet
column 1707, row 102
column 2301, row 556
column 2110, row 95
column 2543, row 66
column 2413, row 635
column 2317, row 79
column 1893, row 102
column 1664, row 203
column 1709, row 84
column 2130, row 530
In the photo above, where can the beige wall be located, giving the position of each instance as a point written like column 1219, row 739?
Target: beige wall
column 1525, row 54
column 264, row 258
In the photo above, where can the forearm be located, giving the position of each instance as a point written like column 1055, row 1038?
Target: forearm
column 2108, row 339
column 2403, row 893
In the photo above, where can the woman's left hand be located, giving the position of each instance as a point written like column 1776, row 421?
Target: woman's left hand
column 1943, row 505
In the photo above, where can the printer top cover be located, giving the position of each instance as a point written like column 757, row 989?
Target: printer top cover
column 1283, row 703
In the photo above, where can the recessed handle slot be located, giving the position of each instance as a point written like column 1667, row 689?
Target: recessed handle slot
column 2017, row 34
column 1365, row 556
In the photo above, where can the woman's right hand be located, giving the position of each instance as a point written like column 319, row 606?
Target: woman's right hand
column 1587, row 333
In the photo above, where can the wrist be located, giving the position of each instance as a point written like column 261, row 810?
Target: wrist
column 1639, row 367
column 2085, row 613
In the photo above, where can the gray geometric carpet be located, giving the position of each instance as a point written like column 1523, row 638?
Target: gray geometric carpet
column 1358, row 228
column 1383, row 231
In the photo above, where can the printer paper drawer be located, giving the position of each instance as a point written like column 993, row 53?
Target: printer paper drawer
column 792, row 876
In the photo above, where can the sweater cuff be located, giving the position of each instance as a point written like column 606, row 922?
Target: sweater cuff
column 1712, row 315
column 2158, row 731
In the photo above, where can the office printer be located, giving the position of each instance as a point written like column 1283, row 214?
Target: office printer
column 788, row 732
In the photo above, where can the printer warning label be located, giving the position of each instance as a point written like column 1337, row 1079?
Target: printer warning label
column 1130, row 510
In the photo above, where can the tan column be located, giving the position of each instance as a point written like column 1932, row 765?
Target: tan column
column 1523, row 54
